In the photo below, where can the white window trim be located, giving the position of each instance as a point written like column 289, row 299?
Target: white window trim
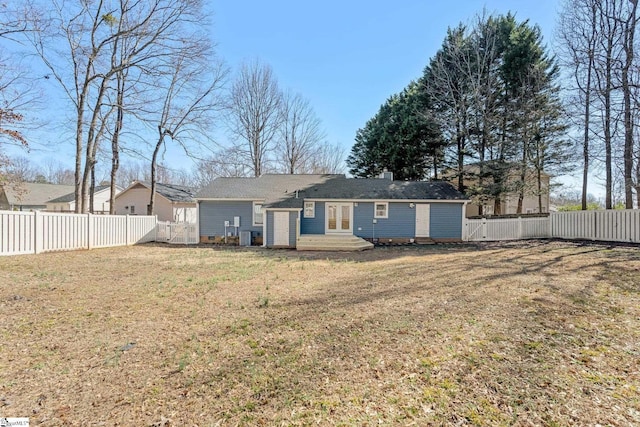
column 386, row 210
column 312, row 207
column 253, row 214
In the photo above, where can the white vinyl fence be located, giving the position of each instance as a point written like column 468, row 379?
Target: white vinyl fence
column 507, row 229
column 36, row 232
column 609, row 226
column 177, row 232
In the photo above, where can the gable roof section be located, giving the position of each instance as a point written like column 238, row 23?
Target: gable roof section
column 71, row 197
column 33, row 194
column 267, row 187
column 289, row 191
column 171, row 192
column 374, row 189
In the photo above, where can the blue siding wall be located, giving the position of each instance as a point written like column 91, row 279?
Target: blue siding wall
column 269, row 220
column 213, row 214
column 446, row 220
column 293, row 217
column 313, row 225
column 400, row 222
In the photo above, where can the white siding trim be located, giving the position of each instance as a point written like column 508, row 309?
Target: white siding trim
column 264, row 230
column 386, row 210
column 253, row 213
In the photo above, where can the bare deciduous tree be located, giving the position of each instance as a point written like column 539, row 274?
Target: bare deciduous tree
column 78, row 43
column 17, row 89
column 226, row 162
column 598, row 46
column 300, row 134
column 190, row 86
column 629, row 24
column 578, row 37
column 253, row 113
column 328, row 158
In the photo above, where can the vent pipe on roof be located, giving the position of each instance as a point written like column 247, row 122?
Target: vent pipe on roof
column 296, row 194
column 386, row 175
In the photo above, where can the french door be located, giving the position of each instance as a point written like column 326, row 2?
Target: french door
column 339, row 217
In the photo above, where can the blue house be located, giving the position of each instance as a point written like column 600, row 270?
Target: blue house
column 329, row 211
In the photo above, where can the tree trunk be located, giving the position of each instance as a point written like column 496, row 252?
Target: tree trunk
column 626, row 91
column 78, row 169
column 460, row 145
column 539, row 177
column 93, row 136
column 585, row 142
column 92, row 188
column 607, row 144
column 154, row 163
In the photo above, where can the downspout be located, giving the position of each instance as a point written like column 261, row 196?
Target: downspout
column 264, row 229
column 464, row 232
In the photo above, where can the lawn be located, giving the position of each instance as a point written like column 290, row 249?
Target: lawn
column 536, row 333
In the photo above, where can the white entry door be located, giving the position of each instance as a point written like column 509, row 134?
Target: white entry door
column 281, row 229
column 422, row 220
column 339, row 218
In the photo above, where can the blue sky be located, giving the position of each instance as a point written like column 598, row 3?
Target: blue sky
column 347, row 57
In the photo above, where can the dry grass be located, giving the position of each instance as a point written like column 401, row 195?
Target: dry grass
column 542, row 333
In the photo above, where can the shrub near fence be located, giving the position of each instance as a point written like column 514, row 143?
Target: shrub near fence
column 35, row 232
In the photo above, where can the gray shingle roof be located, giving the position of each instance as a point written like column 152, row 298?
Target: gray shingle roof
column 72, row 196
column 279, row 191
column 268, row 187
column 175, row 193
column 172, row 192
column 33, row 194
column 374, row 189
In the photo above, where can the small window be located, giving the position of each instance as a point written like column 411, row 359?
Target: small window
column 132, row 210
column 309, row 209
column 382, row 210
column 257, row 214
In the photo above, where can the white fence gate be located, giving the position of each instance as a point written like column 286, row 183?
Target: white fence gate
column 36, row 232
column 177, row 232
column 611, row 226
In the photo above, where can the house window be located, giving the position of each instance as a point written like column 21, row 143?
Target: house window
column 132, row 210
column 381, row 210
column 257, row 213
column 309, row 209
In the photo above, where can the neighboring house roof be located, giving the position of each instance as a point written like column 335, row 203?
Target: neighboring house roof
column 289, row 191
column 71, row 197
column 172, row 192
column 32, row 194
